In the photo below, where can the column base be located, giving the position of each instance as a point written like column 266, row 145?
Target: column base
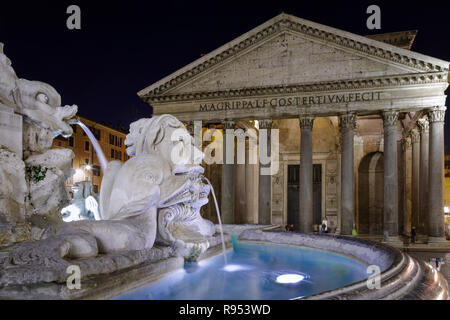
column 421, row 239
column 438, row 242
column 393, row 241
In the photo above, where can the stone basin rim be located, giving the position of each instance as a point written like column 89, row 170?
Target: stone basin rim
column 402, row 277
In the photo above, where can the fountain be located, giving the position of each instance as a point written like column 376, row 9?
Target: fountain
column 84, row 206
column 151, row 224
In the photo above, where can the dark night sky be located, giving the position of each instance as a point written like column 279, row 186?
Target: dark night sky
column 124, row 46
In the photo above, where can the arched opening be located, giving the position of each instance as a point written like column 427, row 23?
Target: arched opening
column 371, row 194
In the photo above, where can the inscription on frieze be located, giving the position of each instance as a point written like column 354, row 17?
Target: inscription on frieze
column 296, row 101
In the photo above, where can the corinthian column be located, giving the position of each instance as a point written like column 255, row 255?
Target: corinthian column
column 436, row 174
column 306, row 178
column 424, row 170
column 390, row 176
column 347, row 125
column 227, row 192
column 415, row 141
column 240, row 204
column 265, row 181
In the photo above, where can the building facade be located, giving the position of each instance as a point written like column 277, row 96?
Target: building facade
column 85, row 164
column 360, row 127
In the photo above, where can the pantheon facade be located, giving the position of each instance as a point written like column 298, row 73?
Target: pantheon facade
column 360, row 123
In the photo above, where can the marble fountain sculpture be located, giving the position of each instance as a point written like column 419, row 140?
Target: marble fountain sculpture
column 155, row 196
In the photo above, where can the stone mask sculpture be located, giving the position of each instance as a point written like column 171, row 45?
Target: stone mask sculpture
column 38, row 101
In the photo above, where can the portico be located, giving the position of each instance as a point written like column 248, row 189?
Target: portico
column 352, row 114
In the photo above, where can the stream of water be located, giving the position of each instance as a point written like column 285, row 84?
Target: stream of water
column 98, row 150
column 220, row 221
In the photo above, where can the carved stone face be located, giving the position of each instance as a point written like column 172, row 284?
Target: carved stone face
column 131, row 140
column 164, row 136
column 5, row 64
column 41, row 103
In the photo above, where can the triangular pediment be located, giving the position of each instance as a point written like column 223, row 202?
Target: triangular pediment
column 287, row 50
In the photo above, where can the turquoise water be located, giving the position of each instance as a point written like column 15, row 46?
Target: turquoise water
column 252, row 273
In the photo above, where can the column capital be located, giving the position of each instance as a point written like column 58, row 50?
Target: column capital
column 415, row 135
column 190, row 126
column 423, row 124
column 347, row 120
column 228, row 124
column 240, row 134
column 306, row 121
column 390, row 118
column 436, row 114
column 265, row 124
column 407, row 143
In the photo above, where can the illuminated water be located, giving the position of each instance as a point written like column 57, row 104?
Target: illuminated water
column 218, row 218
column 98, row 150
column 252, row 273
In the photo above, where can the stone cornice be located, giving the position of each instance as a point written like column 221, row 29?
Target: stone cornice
column 310, row 29
column 352, row 84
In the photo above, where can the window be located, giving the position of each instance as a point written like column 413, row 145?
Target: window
column 95, row 188
column 71, row 141
column 74, row 128
column 95, row 132
column 120, row 142
column 112, row 153
column 111, row 139
column 86, row 145
column 96, row 171
column 86, row 161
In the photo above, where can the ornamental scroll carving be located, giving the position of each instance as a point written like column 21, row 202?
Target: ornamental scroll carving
column 415, row 135
column 265, row 124
column 347, row 121
column 423, row 125
column 437, row 114
column 228, row 124
column 306, row 121
column 390, row 118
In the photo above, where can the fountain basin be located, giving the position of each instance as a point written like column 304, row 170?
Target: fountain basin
column 402, row 277
column 255, row 271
